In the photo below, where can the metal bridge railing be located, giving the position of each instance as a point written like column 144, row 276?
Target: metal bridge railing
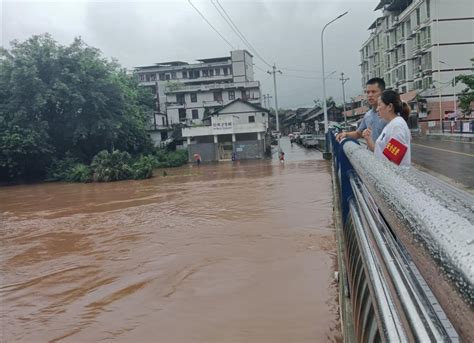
column 409, row 250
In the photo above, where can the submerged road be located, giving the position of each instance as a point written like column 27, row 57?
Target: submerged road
column 241, row 252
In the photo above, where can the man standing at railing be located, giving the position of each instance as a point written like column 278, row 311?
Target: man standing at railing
column 371, row 119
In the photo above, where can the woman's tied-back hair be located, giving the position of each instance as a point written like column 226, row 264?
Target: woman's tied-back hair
column 400, row 107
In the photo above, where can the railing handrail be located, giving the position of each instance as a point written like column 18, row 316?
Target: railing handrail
column 398, row 186
column 435, row 221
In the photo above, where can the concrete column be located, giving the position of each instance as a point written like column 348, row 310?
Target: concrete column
column 189, row 140
column 216, row 148
column 233, row 138
column 259, row 135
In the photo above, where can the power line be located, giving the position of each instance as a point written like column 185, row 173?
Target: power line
column 207, row 21
column 227, row 20
column 306, row 77
column 240, row 34
column 259, row 68
column 302, row 70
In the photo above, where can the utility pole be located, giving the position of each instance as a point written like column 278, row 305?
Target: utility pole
column 343, row 81
column 273, row 72
column 264, row 101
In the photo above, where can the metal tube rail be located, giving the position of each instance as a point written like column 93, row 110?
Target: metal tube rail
column 422, row 230
column 392, row 328
column 423, row 320
column 447, row 235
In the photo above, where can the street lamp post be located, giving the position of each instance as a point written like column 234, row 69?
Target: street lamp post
column 326, row 154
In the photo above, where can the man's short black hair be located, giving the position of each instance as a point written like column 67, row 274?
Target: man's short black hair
column 377, row 81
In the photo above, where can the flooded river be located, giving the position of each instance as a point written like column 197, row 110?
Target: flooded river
column 226, row 252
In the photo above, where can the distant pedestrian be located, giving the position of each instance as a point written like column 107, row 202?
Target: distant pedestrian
column 393, row 144
column 282, row 156
column 197, row 159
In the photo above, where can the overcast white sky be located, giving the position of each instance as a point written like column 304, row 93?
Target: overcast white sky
column 286, row 32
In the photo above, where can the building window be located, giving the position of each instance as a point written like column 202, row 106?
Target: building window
column 180, row 99
column 205, row 73
column 217, row 96
column 147, row 77
column 142, row 77
column 231, row 95
column 194, row 74
column 428, row 10
column 168, row 76
column 182, row 114
column 417, row 17
column 245, row 95
column 153, row 77
column 185, row 74
column 162, row 76
column 163, row 120
column 251, row 119
column 226, row 71
column 194, row 97
column 211, row 72
column 173, row 75
column 218, row 71
column 195, row 114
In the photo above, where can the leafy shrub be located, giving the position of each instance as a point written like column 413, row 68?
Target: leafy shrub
column 168, row 159
column 143, row 167
column 69, row 170
column 113, row 166
column 60, row 170
column 80, row 173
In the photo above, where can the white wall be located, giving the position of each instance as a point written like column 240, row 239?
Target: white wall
column 238, row 65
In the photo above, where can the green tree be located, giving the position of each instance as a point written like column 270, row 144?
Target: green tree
column 466, row 97
column 60, row 100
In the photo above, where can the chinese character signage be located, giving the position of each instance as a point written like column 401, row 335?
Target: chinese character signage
column 222, row 124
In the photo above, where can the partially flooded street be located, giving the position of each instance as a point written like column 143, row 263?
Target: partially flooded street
column 241, row 252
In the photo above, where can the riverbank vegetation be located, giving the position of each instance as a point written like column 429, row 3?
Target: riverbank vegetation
column 67, row 113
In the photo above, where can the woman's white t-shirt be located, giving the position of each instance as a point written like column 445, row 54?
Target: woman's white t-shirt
column 398, row 130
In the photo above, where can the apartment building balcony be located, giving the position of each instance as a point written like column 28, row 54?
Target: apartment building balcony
column 147, row 83
column 175, row 104
column 214, row 78
column 417, row 50
column 212, row 86
column 256, row 101
column 418, row 75
column 425, row 44
column 425, row 23
column 156, row 127
column 213, row 103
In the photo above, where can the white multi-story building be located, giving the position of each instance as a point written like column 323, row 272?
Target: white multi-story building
column 237, row 131
column 186, row 93
column 418, row 46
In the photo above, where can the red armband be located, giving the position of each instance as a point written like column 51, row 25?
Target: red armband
column 394, row 151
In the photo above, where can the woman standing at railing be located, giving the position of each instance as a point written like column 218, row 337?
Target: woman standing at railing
column 393, row 144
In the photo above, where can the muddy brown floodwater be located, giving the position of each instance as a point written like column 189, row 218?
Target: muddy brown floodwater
column 222, row 253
